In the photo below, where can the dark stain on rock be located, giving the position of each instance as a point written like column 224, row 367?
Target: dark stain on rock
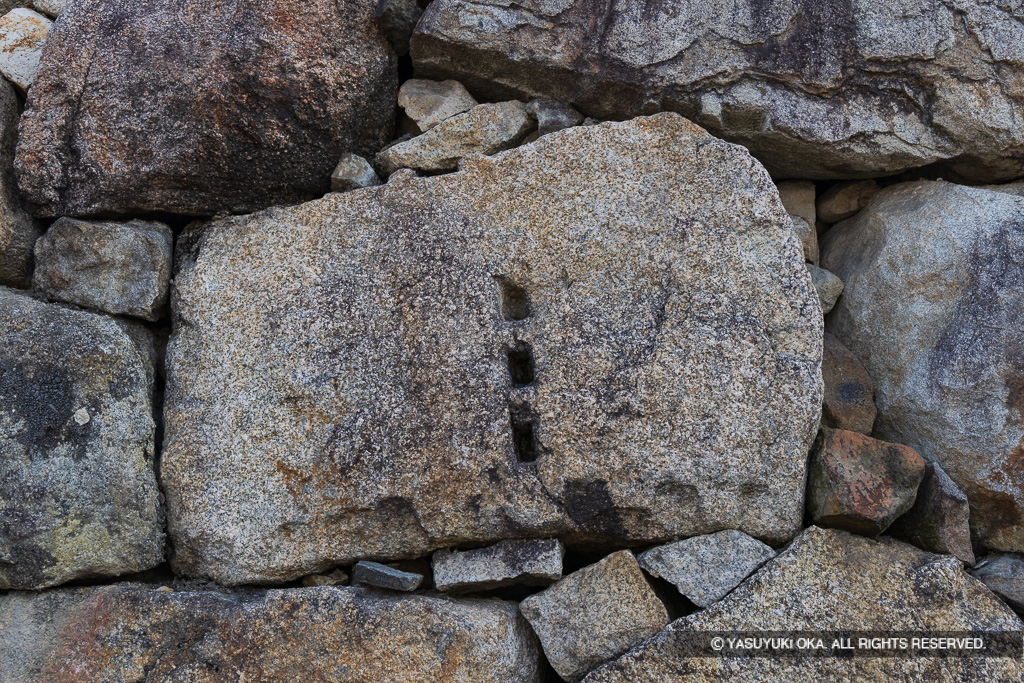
column 40, row 395
column 590, row 505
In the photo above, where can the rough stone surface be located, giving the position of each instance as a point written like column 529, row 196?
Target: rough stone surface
column 22, row 36
column 352, row 173
column 845, row 199
column 849, row 393
column 509, row 563
column 338, row 577
column 78, row 497
column 325, row 359
column 932, row 307
column 828, row 286
column 50, row 7
column 484, row 129
column 18, row 231
column 814, row 89
column 428, row 103
column 383, row 576
column 199, row 108
column 831, row 580
column 594, row 614
column 940, row 519
column 861, row 484
column 705, row 568
column 131, row 632
column 1004, row 576
column 397, row 19
column 798, row 198
column 808, row 236
column 1009, row 188
column 553, row 115
column 118, row 268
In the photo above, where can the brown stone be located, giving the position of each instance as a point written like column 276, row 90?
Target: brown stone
column 861, row 484
column 940, row 518
column 849, row 394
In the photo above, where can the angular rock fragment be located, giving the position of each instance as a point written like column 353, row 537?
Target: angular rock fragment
column 594, row 614
column 808, row 239
column 541, row 345
column 939, row 521
column 705, row 568
column 484, row 129
column 51, row 7
column 76, row 447
column 1004, row 576
column 798, row 198
column 428, row 103
column 22, row 35
column 553, row 115
column 509, row 563
column 244, row 105
column 845, row 199
column 861, row 484
column 814, row 89
column 831, row 580
column 118, row 268
column 338, row 577
column 352, row 173
column 18, row 231
column 828, row 286
column 130, row 632
column 382, row 576
column 849, row 393
column 934, row 289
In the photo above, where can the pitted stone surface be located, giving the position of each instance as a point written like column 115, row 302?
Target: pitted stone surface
column 814, row 89
column 547, row 343
column 130, row 632
column 78, row 496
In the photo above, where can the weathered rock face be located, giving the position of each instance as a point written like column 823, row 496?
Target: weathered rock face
column 118, row 268
column 813, row 89
column 542, row 345
column 18, row 232
column 383, row 576
column 828, row 286
column 933, row 308
column 594, row 614
column 940, row 519
column 22, row 35
column 76, row 446
column 532, row 563
column 246, row 104
column 428, row 103
column 843, row 200
column 1004, row 575
column 131, row 632
column 832, row 580
column 849, row 393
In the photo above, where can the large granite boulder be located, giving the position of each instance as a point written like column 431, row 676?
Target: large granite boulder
column 200, row 107
column 78, row 496
column 130, row 632
column 18, row 231
column 605, row 336
column 814, row 89
column 830, row 580
column 933, row 309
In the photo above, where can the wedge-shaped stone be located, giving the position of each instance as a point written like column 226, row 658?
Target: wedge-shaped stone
column 130, row 632
column 830, row 580
column 78, row 496
column 532, row 563
column 607, row 336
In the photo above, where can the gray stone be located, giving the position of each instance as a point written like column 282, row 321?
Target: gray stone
column 705, row 568
column 382, row 576
column 934, row 289
column 828, row 286
column 352, row 376
column 845, row 199
column 1009, row 188
column 397, row 19
column 814, row 89
column 940, row 519
column 131, row 632
column 22, row 36
column 849, row 393
column 51, row 7
column 484, row 129
column 808, row 236
column 832, row 580
column 76, row 448
column 18, row 231
column 553, row 115
column 338, row 577
column 353, row 172
column 1004, row 576
column 798, row 198
column 594, row 614
column 243, row 105
column 118, row 268
column 428, row 103
column 509, row 563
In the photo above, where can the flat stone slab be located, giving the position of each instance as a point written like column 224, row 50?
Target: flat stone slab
column 382, row 576
column 543, row 345
column 533, row 563
column 130, row 632
column 78, row 495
